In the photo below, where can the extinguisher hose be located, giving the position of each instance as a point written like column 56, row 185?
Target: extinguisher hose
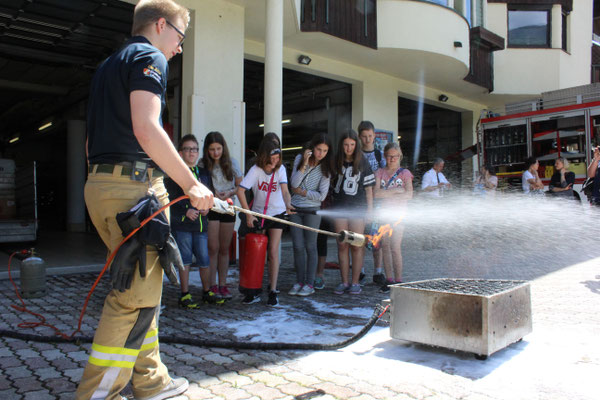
column 226, row 344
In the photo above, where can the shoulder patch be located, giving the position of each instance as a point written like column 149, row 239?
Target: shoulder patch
column 152, row 72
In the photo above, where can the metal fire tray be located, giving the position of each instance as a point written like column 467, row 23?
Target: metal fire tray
column 474, row 315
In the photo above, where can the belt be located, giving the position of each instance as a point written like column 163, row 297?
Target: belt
column 125, row 171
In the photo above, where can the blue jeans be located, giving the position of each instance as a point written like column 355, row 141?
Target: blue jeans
column 305, row 246
column 193, row 244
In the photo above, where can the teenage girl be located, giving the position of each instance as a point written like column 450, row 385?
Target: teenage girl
column 393, row 189
column 352, row 195
column 266, row 176
column 310, row 184
column 226, row 177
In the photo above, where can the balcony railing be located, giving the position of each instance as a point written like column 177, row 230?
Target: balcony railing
column 353, row 20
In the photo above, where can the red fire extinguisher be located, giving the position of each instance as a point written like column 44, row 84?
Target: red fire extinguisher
column 253, row 267
column 253, row 251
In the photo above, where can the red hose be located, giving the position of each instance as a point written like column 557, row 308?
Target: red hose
column 42, row 321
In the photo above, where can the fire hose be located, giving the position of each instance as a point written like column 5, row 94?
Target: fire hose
column 222, row 207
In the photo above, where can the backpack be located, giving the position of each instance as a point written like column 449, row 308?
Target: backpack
column 378, row 157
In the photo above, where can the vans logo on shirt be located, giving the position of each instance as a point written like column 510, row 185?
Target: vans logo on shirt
column 264, row 187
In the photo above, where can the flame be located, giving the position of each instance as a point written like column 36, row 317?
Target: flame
column 383, row 230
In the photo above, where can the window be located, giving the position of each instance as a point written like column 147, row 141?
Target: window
column 528, row 27
column 440, row 2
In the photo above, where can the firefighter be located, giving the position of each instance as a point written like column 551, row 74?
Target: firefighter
column 128, row 150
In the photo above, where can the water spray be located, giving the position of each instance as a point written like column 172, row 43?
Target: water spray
column 351, row 238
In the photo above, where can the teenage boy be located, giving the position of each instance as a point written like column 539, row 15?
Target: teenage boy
column 189, row 226
column 366, row 133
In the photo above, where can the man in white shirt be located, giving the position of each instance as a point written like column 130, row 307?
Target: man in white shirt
column 434, row 183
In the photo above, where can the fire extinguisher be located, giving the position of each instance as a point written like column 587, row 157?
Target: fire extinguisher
column 252, row 267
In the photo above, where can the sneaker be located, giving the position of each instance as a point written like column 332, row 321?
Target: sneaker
column 272, row 299
column 379, row 279
column 215, row 290
column 295, row 289
column 361, row 278
column 385, row 288
column 251, row 298
column 341, row 289
column 319, row 283
column 209, row 297
column 225, row 293
column 306, row 290
column 186, row 301
column 354, row 289
column 174, row 388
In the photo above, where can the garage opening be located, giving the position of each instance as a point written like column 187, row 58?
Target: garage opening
column 311, row 104
column 49, row 52
column 440, row 136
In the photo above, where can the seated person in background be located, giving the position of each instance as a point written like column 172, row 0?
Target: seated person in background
column 189, row 227
column 434, row 182
column 592, row 172
column 487, row 182
column 562, row 181
column 531, row 182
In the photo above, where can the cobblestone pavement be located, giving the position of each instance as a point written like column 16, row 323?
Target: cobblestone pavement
column 559, row 360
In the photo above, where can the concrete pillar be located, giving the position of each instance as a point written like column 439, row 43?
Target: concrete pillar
column 76, row 174
column 273, row 66
column 213, row 72
column 377, row 101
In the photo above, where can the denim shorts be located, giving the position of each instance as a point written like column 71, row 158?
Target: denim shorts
column 193, row 244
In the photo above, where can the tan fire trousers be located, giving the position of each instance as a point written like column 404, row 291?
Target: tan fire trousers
column 126, row 341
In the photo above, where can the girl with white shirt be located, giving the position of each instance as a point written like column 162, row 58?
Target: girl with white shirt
column 268, row 181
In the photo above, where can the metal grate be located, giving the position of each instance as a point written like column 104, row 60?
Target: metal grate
column 481, row 287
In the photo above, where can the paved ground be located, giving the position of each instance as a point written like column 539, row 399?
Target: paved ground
column 559, row 360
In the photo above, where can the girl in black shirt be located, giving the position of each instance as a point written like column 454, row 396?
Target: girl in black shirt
column 352, row 195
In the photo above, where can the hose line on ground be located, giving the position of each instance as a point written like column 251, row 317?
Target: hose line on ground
column 168, row 339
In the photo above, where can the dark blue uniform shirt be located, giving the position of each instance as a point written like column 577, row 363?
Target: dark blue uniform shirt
column 136, row 66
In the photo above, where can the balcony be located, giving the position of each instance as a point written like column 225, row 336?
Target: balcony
column 483, row 43
column 428, row 39
column 355, row 21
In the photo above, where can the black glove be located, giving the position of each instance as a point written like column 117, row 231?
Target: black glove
column 123, row 266
column 156, row 231
column 170, row 259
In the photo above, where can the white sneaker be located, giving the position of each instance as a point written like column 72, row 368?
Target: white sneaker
column 295, row 289
column 306, row 291
column 174, row 388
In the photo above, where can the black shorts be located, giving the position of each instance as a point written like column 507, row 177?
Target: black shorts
column 243, row 229
column 215, row 216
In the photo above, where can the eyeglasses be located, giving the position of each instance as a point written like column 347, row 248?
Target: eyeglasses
column 190, row 149
column 392, row 157
column 179, row 32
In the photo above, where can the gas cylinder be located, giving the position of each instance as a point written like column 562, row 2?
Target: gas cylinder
column 253, row 266
column 33, row 276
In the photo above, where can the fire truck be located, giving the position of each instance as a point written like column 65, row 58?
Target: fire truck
column 562, row 123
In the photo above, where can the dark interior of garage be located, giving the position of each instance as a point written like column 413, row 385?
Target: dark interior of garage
column 440, row 137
